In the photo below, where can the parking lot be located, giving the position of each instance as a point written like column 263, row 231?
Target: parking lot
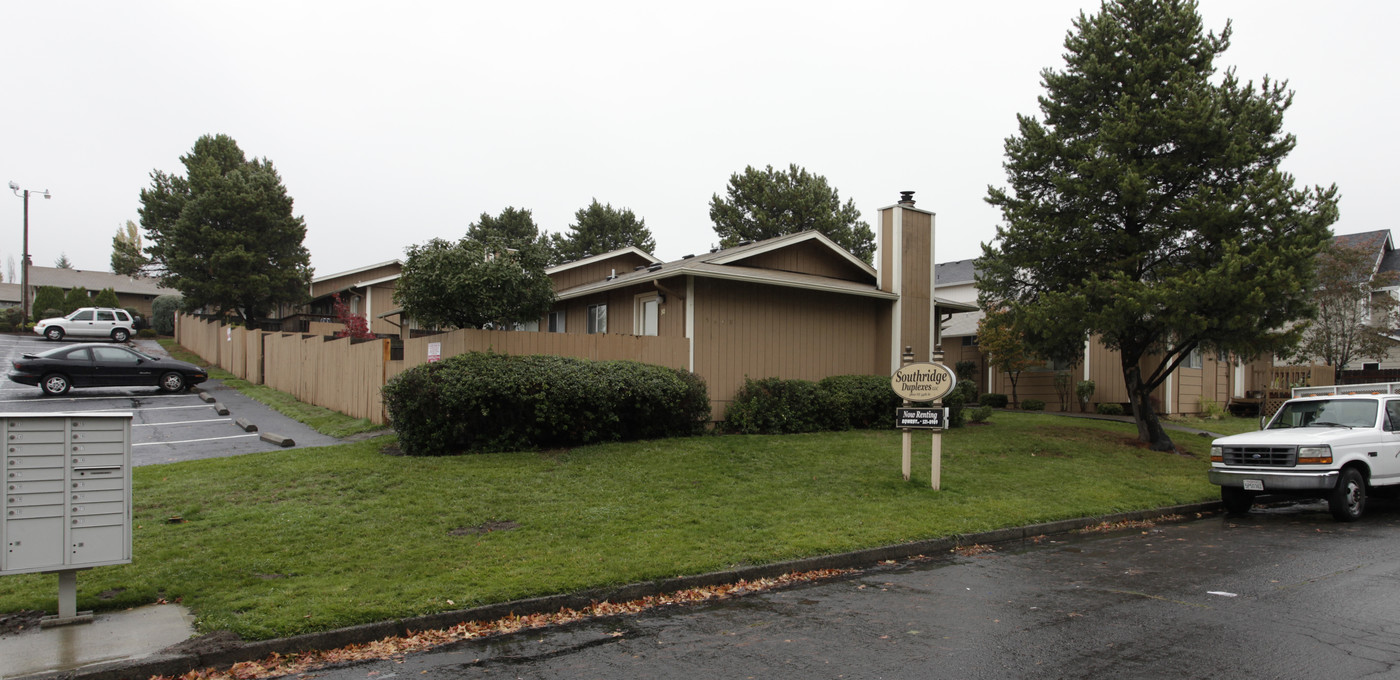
column 165, row 427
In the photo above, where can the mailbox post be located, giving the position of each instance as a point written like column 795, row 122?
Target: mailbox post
column 67, row 500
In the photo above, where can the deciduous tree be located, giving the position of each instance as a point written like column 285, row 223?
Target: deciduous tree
column 1005, row 345
column 474, row 284
column 127, row 258
column 224, row 235
column 1355, row 318
column 600, row 229
column 762, row 204
column 1146, row 205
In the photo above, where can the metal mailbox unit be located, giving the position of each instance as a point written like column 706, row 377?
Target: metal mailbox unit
column 67, row 500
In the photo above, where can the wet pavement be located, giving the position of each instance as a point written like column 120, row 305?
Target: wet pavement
column 1280, row 593
column 112, row 636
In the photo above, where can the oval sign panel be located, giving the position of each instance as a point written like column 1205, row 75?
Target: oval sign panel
column 923, row 381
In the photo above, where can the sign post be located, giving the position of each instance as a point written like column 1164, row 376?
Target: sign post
column 922, row 382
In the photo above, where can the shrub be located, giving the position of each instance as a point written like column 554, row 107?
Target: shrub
column 979, row 414
column 993, row 400
column 1109, row 409
column 76, row 298
column 107, row 297
column 12, row 317
column 48, row 300
column 1032, row 405
column 1211, row 409
column 859, row 401
column 963, row 393
column 1084, row 391
column 479, row 402
column 147, row 333
column 777, row 406
column 965, row 370
column 163, row 310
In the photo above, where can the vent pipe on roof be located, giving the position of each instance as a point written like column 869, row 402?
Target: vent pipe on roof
column 906, row 198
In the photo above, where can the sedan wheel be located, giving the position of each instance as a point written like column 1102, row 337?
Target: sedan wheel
column 54, row 384
column 54, row 333
column 172, row 382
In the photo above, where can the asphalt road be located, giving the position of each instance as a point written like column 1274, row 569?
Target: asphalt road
column 1281, row 593
column 165, row 428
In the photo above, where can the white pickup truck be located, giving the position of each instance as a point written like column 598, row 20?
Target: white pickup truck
column 1331, row 442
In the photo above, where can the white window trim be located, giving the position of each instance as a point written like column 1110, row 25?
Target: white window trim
column 590, row 323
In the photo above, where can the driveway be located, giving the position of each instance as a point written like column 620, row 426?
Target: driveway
column 165, row 428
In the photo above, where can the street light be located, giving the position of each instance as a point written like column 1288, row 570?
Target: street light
column 24, row 266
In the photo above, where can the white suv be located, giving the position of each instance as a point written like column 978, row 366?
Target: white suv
column 89, row 322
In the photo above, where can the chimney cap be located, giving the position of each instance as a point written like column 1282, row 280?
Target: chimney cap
column 906, row 198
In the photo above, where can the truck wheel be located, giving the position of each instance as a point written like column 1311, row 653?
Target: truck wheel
column 1237, row 501
column 1348, row 500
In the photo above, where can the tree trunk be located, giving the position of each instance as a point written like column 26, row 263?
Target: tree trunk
column 1149, row 427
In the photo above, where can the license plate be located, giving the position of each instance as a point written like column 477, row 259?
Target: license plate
column 1253, row 485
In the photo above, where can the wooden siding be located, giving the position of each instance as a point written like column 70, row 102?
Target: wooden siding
column 621, row 304
column 335, row 283
column 381, row 300
column 596, row 271
column 916, row 296
column 749, row 330
column 807, row 258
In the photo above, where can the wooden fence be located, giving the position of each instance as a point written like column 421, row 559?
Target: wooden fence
column 347, row 375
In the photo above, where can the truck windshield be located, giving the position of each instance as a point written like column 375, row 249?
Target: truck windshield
column 1326, row 413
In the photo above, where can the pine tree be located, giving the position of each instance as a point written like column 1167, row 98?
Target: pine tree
column 763, row 204
column 1147, row 207
column 224, row 234
column 600, row 229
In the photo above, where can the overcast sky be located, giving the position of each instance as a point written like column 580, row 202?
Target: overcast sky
column 392, row 123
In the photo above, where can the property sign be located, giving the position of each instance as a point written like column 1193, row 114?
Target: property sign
column 434, row 352
column 923, row 381
column 921, row 418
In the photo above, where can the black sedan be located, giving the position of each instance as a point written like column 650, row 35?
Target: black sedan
column 56, row 370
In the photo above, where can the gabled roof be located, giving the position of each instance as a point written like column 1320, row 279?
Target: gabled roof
column 633, row 250
column 95, row 281
column 357, row 270
column 727, row 264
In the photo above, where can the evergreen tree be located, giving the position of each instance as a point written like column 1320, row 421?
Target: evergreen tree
column 63, row 262
column 48, row 303
column 762, row 204
column 224, row 234
column 1147, row 207
column 600, row 229
column 107, row 297
column 514, row 227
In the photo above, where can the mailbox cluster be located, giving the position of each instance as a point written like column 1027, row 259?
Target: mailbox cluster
column 67, row 500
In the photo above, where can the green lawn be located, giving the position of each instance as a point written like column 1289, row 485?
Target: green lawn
column 1226, row 425
column 285, row 542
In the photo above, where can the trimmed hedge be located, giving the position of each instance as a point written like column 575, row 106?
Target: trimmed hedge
column 1032, row 405
column 482, row 401
column 843, row 402
column 993, row 400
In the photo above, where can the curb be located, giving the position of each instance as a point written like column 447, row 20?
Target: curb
column 180, row 663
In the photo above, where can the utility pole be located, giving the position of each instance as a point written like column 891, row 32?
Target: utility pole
column 24, row 266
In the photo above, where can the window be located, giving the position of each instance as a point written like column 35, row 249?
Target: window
column 647, row 314
column 85, row 315
column 1193, row 360
column 531, row 326
column 597, row 318
column 556, row 322
column 106, row 316
column 112, row 355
